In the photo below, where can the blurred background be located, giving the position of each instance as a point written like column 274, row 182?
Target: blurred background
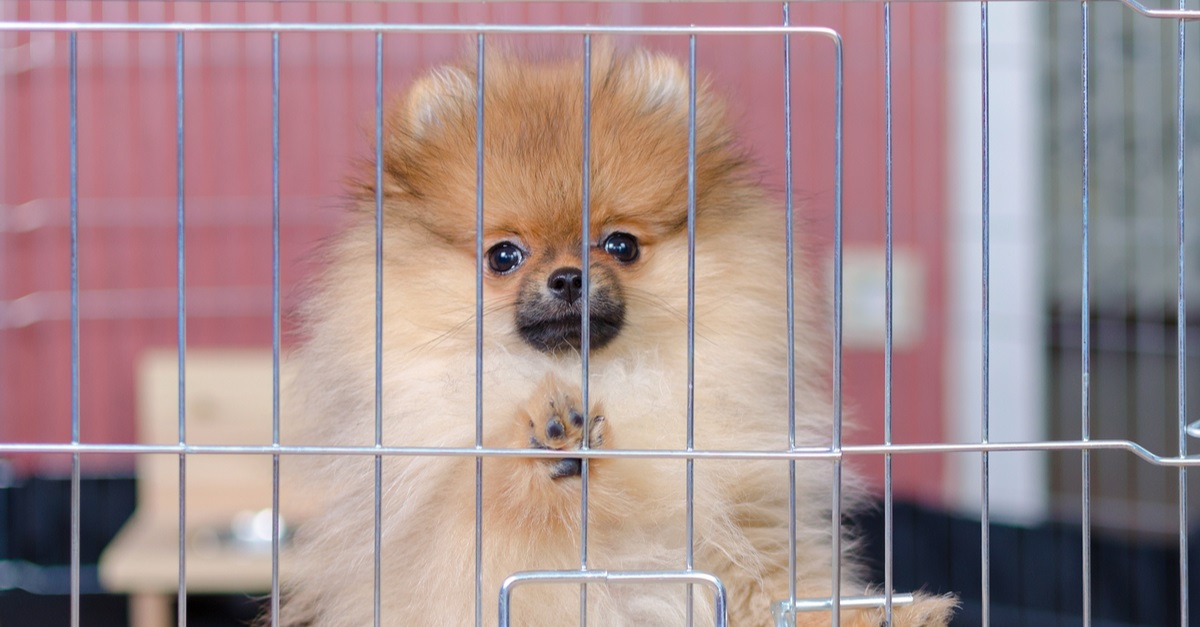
column 128, row 274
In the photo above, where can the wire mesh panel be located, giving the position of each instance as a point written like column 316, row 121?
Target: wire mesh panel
column 113, row 241
column 1133, row 323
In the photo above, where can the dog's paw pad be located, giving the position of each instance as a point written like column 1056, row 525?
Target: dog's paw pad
column 559, row 425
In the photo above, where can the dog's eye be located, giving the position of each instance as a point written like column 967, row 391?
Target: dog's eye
column 622, row 246
column 505, row 257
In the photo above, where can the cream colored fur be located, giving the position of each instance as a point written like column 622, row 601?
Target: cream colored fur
column 530, row 521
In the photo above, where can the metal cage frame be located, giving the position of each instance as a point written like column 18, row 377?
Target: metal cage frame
column 834, row 454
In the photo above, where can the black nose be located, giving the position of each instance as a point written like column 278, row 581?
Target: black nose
column 566, row 284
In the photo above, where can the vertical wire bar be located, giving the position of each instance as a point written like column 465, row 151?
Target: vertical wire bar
column 985, row 546
column 478, row 328
column 888, row 566
column 836, row 575
column 1085, row 384
column 1181, row 321
column 378, row 321
column 275, row 327
column 585, row 330
column 789, row 244
column 181, row 316
column 691, row 319
column 74, row 193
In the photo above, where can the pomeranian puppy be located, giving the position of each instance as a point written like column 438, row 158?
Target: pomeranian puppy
column 531, row 337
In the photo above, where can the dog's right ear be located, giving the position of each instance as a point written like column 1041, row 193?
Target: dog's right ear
column 442, row 93
column 662, row 81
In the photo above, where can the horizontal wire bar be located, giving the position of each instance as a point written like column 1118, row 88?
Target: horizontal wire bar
column 473, row 29
column 419, row 451
column 1132, row 4
column 140, row 303
column 854, row 602
column 610, row 576
column 694, row 577
column 1162, row 14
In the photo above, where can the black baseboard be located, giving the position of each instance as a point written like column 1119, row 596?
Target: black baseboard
column 1035, row 574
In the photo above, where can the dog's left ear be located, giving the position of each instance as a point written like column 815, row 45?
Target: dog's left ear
column 442, row 93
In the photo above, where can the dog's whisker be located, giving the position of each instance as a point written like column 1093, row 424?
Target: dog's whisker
column 658, row 302
column 455, row 330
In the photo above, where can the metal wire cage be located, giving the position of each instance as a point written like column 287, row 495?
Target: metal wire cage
column 186, row 314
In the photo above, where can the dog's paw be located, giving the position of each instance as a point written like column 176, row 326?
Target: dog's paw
column 556, row 422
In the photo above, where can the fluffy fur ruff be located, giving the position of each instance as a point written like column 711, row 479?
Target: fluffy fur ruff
column 531, row 520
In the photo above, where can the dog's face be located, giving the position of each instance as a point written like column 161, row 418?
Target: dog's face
column 549, row 304
column 536, row 268
column 533, row 187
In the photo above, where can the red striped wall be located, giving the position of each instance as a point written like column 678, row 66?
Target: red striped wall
column 127, row 242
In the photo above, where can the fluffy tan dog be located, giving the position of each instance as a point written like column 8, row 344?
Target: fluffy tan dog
column 531, row 338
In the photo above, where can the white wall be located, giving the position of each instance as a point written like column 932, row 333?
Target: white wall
column 1019, row 484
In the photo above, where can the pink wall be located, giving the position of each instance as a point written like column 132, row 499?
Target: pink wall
column 127, row 180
